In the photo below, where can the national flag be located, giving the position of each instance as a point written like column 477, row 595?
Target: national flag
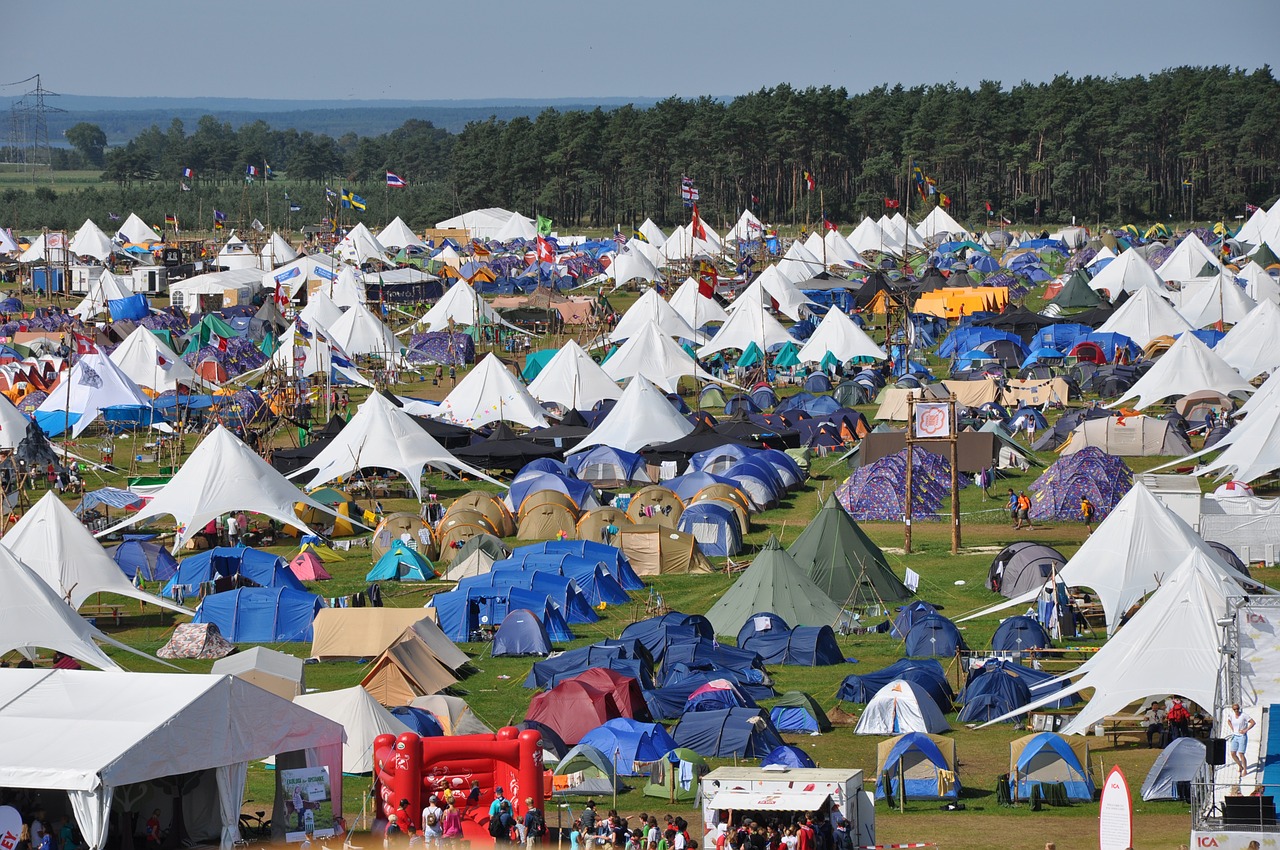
column 171, row 220
column 990, row 212
column 892, row 203
column 329, row 194
column 810, row 181
column 699, row 232
column 295, row 207
column 85, row 345
column 708, row 277
column 744, row 267
column 188, row 173
column 184, row 186
column 395, row 181
column 250, row 171
column 1220, row 229
column 280, row 297
column 636, row 234
column 544, row 226
column 1187, row 183
column 917, row 177
column 931, row 185
column 257, row 225
column 944, row 200
column 358, row 202
column 160, row 361
column 826, row 222
column 219, row 216
column 546, row 253
column 688, row 192
column 345, row 199
column 755, row 199
column 1250, row 209
column 266, row 169
column 113, row 216
column 219, row 341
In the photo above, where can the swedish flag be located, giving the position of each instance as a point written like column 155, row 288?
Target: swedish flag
column 358, row 202
column 345, row 199
column 636, row 234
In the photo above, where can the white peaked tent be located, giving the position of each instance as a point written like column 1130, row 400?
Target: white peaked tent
column 749, row 322
column 652, row 254
column 384, row 436
column 236, row 254
column 94, row 382
column 1172, row 645
column 363, row 718
column 939, row 222
column 301, row 272
column 1267, row 397
column 398, row 235
column 650, row 352
column 320, row 311
column 151, row 364
column 347, row 290
column 1248, row 451
column 47, row 247
column 683, row 245
column 643, row 416
column 13, row 425
column 633, row 264
column 899, row 707
column 814, row 244
column 58, row 548
column 222, row 475
column 573, row 380
column 1144, row 317
column 838, row 334
column 773, row 284
column 137, row 231
column 34, row 617
column 517, row 227
column 694, row 307
column 747, row 228
column 490, row 393
column 800, row 264
column 1104, row 253
column 1188, row 366
column 306, row 355
column 653, row 233
column 276, row 252
column 480, row 224
column 870, row 236
column 360, row 246
column 650, row 309
column 90, row 241
column 1250, row 347
column 1251, row 232
column 7, row 245
column 904, row 232
column 461, row 304
column 1258, row 284
column 1126, row 557
column 1188, row 261
column 106, row 288
column 1130, row 272
column 359, row 332
column 840, row 252
column 1218, row 299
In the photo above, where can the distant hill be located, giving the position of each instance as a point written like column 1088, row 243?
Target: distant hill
column 122, row 118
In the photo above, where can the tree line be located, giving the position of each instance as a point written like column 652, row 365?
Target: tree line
column 1202, row 140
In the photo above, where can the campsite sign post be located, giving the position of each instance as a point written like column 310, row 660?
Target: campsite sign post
column 933, row 421
column 1115, row 813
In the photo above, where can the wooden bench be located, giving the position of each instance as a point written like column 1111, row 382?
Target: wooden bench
column 1116, row 725
column 114, row 611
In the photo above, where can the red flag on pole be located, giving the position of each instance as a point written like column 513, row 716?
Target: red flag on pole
column 546, row 254
column 892, row 203
column 222, row 342
column 699, row 232
column 85, row 345
column 708, row 277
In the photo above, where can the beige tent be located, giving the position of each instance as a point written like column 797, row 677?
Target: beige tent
column 350, row 633
column 973, row 393
column 395, row 526
column 592, row 524
column 666, row 505
column 405, row 670
column 492, row 508
column 455, row 716
column 546, row 521
column 1130, row 436
column 458, row 528
column 658, row 550
column 893, row 400
column 1018, row 392
column 272, row 671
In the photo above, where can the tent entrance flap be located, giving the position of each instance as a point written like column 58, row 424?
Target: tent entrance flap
column 739, row 800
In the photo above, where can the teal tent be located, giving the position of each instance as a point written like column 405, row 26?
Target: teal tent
column 787, row 356
column 535, row 362
column 829, row 362
column 401, row 563
column 751, row 356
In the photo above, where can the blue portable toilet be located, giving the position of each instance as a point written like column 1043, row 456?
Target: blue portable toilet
column 521, row 633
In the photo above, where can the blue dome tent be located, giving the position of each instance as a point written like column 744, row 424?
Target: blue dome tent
column 521, row 633
column 261, row 614
column 260, row 568
column 637, row 744
column 787, row 755
column 924, row 764
column 714, row 526
column 741, row 732
column 934, row 636
column 1019, row 634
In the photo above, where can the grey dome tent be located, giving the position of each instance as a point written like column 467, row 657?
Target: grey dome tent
column 1023, row 566
column 839, row 557
column 1178, row 762
column 521, row 633
column 596, row 771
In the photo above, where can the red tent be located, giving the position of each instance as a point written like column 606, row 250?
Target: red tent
column 573, row 709
column 624, row 689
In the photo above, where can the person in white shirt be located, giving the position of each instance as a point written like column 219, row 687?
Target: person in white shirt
column 1238, row 725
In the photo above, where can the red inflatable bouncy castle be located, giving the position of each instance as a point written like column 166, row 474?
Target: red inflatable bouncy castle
column 412, row 768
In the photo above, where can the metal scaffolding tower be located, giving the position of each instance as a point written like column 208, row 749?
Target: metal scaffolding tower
column 28, row 146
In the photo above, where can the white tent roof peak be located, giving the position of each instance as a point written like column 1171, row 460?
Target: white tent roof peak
column 361, row 716
column 1258, row 284
column 650, row 352
column 632, row 263
column 653, row 233
column 461, row 304
column 1248, row 347
column 870, row 236
column 643, row 416
column 360, row 246
column 90, row 241
column 137, row 231
column 573, row 380
column 347, row 290
column 838, row 334
column 938, row 222
column 106, row 287
column 1145, row 316
column 397, row 234
column 517, row 227
column 490, row 393
column 1130, row 272
column 774, row 282
column 694, row 307
column 750, row 322
column 151, row 364
column 650, row 309
column 1188, row 260
column 1218, row 299
column 94, row 382
column 359, row 332
column 747, row 228
column 1189, row 365
column 277, row 251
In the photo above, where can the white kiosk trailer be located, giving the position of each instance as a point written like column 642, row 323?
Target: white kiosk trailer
column 733, row 794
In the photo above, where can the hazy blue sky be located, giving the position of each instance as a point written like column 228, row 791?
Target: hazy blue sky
column 425, row 49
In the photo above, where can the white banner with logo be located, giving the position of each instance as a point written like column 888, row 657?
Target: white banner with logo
column 933, row 420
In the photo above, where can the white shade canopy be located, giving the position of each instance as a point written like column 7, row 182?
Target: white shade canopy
column 347, row 289
column 939, row 222
column 839, row 335
column 642, row 417
column 490, row 393
column 573, row 380
column 384, row 436
column 1188, row 366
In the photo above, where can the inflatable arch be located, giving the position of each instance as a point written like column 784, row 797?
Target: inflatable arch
column 411, row 768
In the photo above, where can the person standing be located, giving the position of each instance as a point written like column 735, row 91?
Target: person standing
column 1179, row 720
column 843, row 840
column 1238, row 725
column 1024, row 510
column 1154, row 719
column 451, row 823
column 1086, row 513
column 1013, row 508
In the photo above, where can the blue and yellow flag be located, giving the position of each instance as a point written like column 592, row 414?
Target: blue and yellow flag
column 358, row 202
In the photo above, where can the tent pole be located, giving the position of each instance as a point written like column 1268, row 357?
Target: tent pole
column 907, row 508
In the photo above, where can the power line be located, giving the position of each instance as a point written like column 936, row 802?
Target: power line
column 29, row 128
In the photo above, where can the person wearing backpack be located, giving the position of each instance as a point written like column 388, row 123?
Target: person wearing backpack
column 535, row 823
column 1179, row 720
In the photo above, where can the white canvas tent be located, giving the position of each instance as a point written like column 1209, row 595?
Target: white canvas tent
column 749, row 322
column 320, row 311
column 223, row 475
column 650, row 310
column 1249, row 347
column 360, row 333
column 799, row 263
column 90, row 733
column 480, row 224
column 151, row 364
column 839, row 252
column 106, row 287
column 90, row 241
column 398, row 235
column 347, row 290
column 7, row 245
column 1218, row 300
column 384, row 436
column 13, row 425
column 1258, row 283
column 236, row 255
column 1170, row 646
column 773, row 284
column 573, row 380
column 838, row 334
column 360, row 246
column 361, row 717
column 869, row 236
column 1130, row 272
column 276, row 252
column 899, row 707
column 939, row 222
column 1126, row 556
column 137, row 231
column 46, row 248
column 517, row 227
column 1188, row 261
column 1144, row 316
column 490, row 393
column 694, row 307
column 642, row 416
column 463, row 306
column 94, row 382
column 746, row 229
column 300, row 273
column 633, row 264
column 650, row 352
column 1188, row 366
column 653, row 233
column 57, row 547
column 1251, row 449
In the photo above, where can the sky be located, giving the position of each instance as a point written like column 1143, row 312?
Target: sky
column 466, row 49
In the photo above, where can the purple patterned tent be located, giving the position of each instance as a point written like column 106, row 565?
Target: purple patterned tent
column 1089, row 472
column 436, row 348
column 1080, row 260
column 878, row 491
column 241, row 356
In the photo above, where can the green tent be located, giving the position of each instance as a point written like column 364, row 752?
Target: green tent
column 787, row 356
column 269, row 344
column 830, row 362
column 773, row 584
column 210, row 324
column 665, row 779
column 750, row 356
column 1264, row 256
column 843, row 562
column 799, row 699
column 535, row 362
column 1076, row 292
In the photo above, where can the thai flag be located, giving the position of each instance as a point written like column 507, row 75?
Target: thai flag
column 395, row 181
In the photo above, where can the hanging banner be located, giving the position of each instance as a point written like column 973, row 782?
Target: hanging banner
column 10, row 827
column 1115, row 813
column 933, row 420
column 307, row 804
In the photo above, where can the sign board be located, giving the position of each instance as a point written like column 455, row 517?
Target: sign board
column 307, row 803
column 933, row 420
column 1220, row 840
column 10, row 827
column 1115, row 813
